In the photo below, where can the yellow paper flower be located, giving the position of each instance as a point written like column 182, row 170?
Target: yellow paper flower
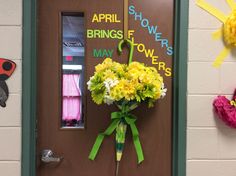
column 109, row 74
column 107, row 63
column 230, row 29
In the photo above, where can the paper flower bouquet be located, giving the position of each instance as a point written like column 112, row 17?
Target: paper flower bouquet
column 126, row 86
column 118, row 83
column 226, row 109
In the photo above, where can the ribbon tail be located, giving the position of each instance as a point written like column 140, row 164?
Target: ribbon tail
column 96, row 146
column 100, row 138
column 137, row 144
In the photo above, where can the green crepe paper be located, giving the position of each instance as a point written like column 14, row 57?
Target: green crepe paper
column 116, row 118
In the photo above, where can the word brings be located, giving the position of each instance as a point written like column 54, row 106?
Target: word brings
column 102, row 33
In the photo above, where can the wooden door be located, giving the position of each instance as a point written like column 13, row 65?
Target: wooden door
column 151, row 25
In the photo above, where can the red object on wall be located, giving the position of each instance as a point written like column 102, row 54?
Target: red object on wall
column 226, row 109
column 7, row 67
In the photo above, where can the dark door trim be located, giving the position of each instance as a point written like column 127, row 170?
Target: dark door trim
column 29, row 88
column 180, row 88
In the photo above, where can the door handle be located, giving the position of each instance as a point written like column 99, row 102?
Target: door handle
column 47, row 157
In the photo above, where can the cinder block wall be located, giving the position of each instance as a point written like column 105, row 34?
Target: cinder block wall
column 211, row 146
column 10, row 117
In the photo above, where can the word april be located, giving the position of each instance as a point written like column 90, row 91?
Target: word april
column 107, row 18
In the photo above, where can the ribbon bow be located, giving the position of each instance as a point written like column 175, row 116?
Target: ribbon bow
column 116, row 118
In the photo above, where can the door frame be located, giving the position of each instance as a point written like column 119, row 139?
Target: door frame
column 29, row 86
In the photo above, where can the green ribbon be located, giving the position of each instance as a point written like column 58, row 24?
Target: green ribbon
column 116, row 117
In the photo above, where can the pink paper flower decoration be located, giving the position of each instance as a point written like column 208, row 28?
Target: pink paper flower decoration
column 226, row 109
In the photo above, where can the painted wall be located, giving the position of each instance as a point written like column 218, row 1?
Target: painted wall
column 10, row 117
column 211, row 146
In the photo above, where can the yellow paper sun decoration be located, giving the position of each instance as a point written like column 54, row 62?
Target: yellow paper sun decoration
column 228, row 31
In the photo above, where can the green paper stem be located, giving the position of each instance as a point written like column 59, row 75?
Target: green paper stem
column 118, row 117
column 128, row 43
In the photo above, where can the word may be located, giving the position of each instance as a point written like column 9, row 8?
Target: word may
column 102, row 33
column 107, row 18
column 149, row 53
column 151, row 29
column 101, row 53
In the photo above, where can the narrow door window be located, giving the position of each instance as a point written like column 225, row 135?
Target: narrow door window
column 73, row 66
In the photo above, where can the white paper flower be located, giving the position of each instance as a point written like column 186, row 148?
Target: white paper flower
column 90, row 82
column 163, row 90
column 108, row 99
column 109, row 83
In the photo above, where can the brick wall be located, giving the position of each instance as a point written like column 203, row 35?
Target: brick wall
column 211, row 146
column 10, row 117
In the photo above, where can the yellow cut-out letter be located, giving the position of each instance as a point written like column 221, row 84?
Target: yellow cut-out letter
column 141, row 47
column 154, row 60
column 101, row 16
column 130, row 33
column 168, row 72
column 95, row 19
